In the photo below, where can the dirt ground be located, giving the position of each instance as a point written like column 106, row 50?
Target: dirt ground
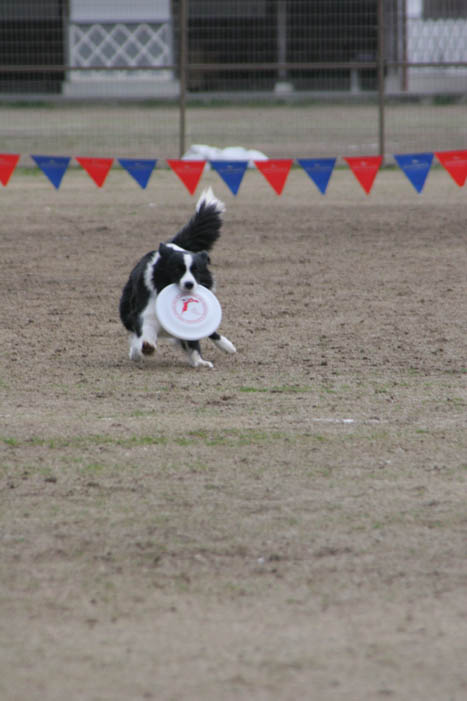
column 289, row 525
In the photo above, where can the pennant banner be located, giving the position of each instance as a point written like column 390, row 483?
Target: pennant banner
column 189, row 172
column 8, row 162
column 231, row 172
column 139, row 169
column 365, row 169
column 319, row 170
column 96, row 168
column 455, row 163
column 275, row 170
column 54, row 167
column 416, row 167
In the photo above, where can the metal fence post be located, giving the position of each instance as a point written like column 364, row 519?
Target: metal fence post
column 381, row 105
column 182, row 69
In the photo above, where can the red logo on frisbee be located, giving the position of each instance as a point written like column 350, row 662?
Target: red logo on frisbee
column 189, row 309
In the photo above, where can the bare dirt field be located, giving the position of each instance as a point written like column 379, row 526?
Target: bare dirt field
column 291, row 524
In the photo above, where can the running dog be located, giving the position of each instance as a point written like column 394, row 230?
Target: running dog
column 183, row 260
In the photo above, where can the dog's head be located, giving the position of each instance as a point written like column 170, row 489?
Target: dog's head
column 185, row 269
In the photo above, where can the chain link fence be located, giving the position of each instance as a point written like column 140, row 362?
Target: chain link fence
column 287, row 77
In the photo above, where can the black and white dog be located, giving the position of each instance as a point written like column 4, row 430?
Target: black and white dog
column 184, row 261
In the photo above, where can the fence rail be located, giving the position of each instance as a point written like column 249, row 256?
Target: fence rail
column 211, row 67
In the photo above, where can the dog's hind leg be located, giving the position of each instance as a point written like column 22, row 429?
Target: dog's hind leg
column 223, row 343
column 193, row 350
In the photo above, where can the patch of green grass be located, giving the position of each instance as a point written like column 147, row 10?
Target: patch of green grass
column 254, row 389
column 456, row 401
column 322, row 472
column 199, row 466
column 184, row 441
column 229, row 437
column 12, row 442
column 210, row 438
column 291, row 389
column 141, row 440
column 94, row 467
column 252, row 436
column 277, row 389
column 85, row 441
column 327, row 390
column 199, row 433
column 224, row 437
column 378, row 435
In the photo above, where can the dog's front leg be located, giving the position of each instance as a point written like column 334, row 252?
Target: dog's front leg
column 193, row 350
column 145, row 343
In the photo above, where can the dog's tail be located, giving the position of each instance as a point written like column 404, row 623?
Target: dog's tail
column 203, row 229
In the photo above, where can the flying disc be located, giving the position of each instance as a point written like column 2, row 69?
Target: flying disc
column 188, row 315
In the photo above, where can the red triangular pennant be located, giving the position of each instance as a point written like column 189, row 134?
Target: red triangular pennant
column 8, row 163
column 275, row 170
column 96, row 168
column 365, row 169
column 455, row 163
column 189, row 172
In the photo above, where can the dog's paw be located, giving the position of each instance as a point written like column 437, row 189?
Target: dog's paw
column 224, row 344
column 228, row 346
column 196, row 361
column 203, row 363
column 147, row 348
column 135, row 354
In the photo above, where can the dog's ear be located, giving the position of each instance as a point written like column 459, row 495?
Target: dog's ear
column 204, row 257
column 163, row 249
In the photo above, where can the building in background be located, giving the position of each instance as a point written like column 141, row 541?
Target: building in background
column 437, row 32
column 102, row 35
column 95, row 35
column 76, row 46
column 32, row 34
column 268, row 31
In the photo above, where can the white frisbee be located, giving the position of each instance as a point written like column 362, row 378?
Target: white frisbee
column 188, row 315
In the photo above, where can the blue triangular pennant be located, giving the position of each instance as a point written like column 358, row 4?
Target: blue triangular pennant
column 231, row 172
column 319, row 170
column 139, row 169
column 416, row 167
column 54, row 167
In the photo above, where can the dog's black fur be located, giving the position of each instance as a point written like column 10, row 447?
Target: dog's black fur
column 183, row 260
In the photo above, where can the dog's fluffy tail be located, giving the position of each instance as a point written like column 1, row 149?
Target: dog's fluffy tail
column 203, row 229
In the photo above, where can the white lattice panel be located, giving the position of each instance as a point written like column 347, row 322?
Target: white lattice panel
column 121, row 44
column 437, row 40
